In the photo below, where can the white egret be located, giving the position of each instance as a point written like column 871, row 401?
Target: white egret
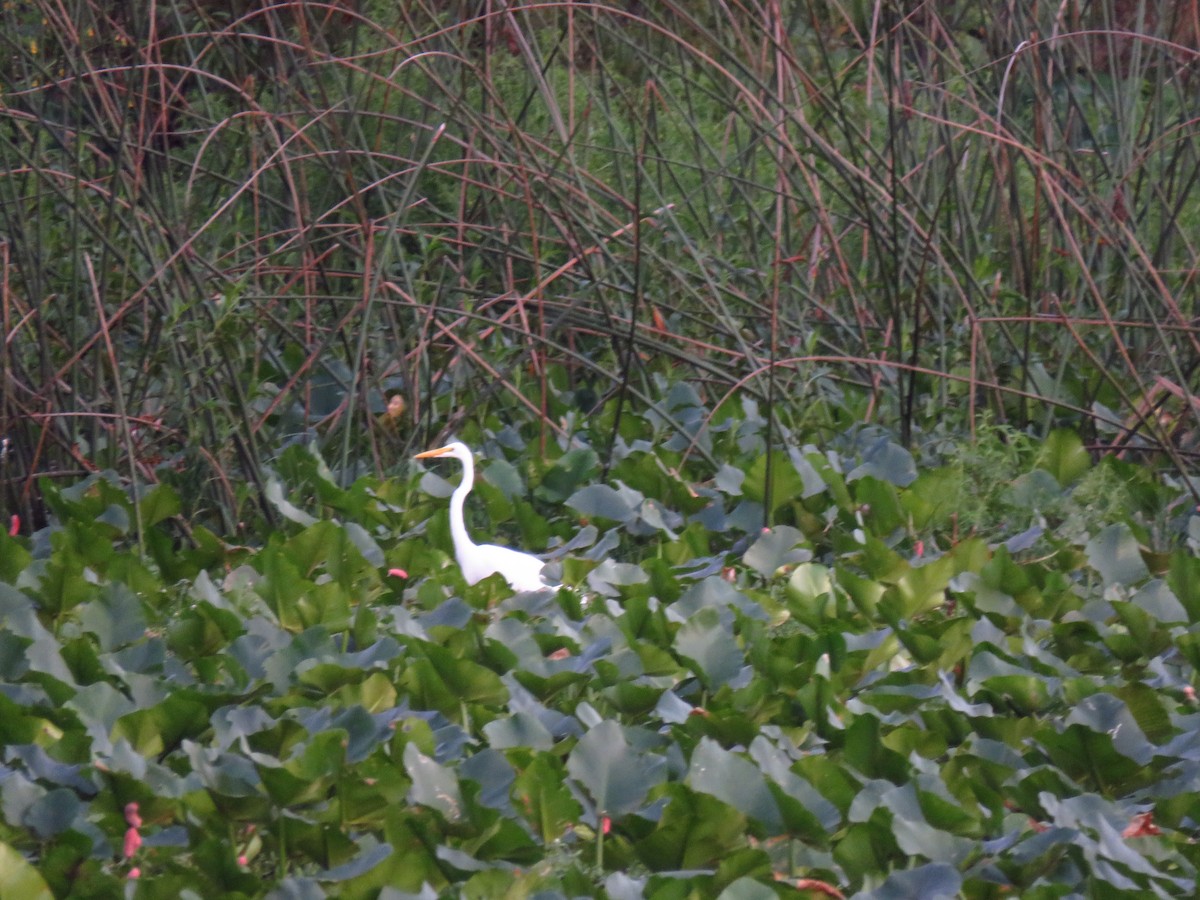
column 523, row 571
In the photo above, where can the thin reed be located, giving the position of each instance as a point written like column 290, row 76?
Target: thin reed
column 228, row 228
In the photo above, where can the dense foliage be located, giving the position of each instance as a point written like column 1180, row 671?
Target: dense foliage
column 863, row 699
column 229, row 226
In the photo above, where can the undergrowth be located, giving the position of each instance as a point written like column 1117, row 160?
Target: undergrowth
column 229, row 229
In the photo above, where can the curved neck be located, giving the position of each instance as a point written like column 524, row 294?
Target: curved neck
column 458, row 525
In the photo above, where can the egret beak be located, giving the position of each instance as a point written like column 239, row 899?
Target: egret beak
column 440, row 451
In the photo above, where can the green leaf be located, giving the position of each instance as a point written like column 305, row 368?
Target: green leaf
column 115, row 617
column 1089, row 757
column 615, row 775
column 810, row 587
column 866, row 751
column 694, row 831
column 1115, row 554
column 1064, row 456
column 160, row 502
column 709, row 642
column 433, row 785
column 20, row 879
column 604, row 502
column 886, row 460
column 161, row 727
column 1148, row 710
column 519, row 730
column 933, row 881
column 440, row 680
column 52, row 813
column 571, row 470
column 786, row 483
column 747, row 889
column 736, row 781
column 14, row 558
column 777, row 547
column 1184, row 578
column 544, row 799
column 275, row 496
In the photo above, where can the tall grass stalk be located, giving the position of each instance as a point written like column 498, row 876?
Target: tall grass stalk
column 228, row 229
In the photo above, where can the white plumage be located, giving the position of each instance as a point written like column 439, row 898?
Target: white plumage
column 523, row 571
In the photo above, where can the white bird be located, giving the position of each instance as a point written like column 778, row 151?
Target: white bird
column 523, row 571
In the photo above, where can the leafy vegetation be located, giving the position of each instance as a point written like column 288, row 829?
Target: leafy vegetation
column 841, row 356
column 862, row 699
column 233, row 227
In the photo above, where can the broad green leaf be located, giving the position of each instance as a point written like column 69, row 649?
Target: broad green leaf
column 542, row 797
column 569, row 472
column 932, row 881
column 275, row 496
column 604, row 502
column 1064, row 456
column 695, row 830
column 160, row 502
column 615, row 775
column 519, row 730
column 934, row 498
column 866, row 751
column 114, row 617
column 736, row 781
column 445, row 681
column 710, row 644
column 923, row 588
column 777, row 547
column 747, row 889
column 1115, row 554
column 1159, row 602
column 14, row 558
column 161, row 727
column 433, row 785
column 1147, row 708
column 811, row 590
column 1108, row 715
column 18, row 878
column 886, row 460
column 52, row 813
column 786, row 483
column 1089, row 757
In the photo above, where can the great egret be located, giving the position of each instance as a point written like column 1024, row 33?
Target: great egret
column 523, row 571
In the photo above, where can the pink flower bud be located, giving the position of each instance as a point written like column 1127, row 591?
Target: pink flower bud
column 133, row 841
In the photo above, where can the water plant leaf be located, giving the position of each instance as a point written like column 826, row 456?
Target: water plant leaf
column 433, row 785
column 695, row 830
column 777, row 547
column 708, row 642
column 736, row 781
column 1063, row 455
column 18, row 878
column 543, row 798
column 1115, row 554
column 933, row 881
column 615, row 775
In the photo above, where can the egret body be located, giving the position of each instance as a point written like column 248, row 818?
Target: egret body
column 523, row 571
